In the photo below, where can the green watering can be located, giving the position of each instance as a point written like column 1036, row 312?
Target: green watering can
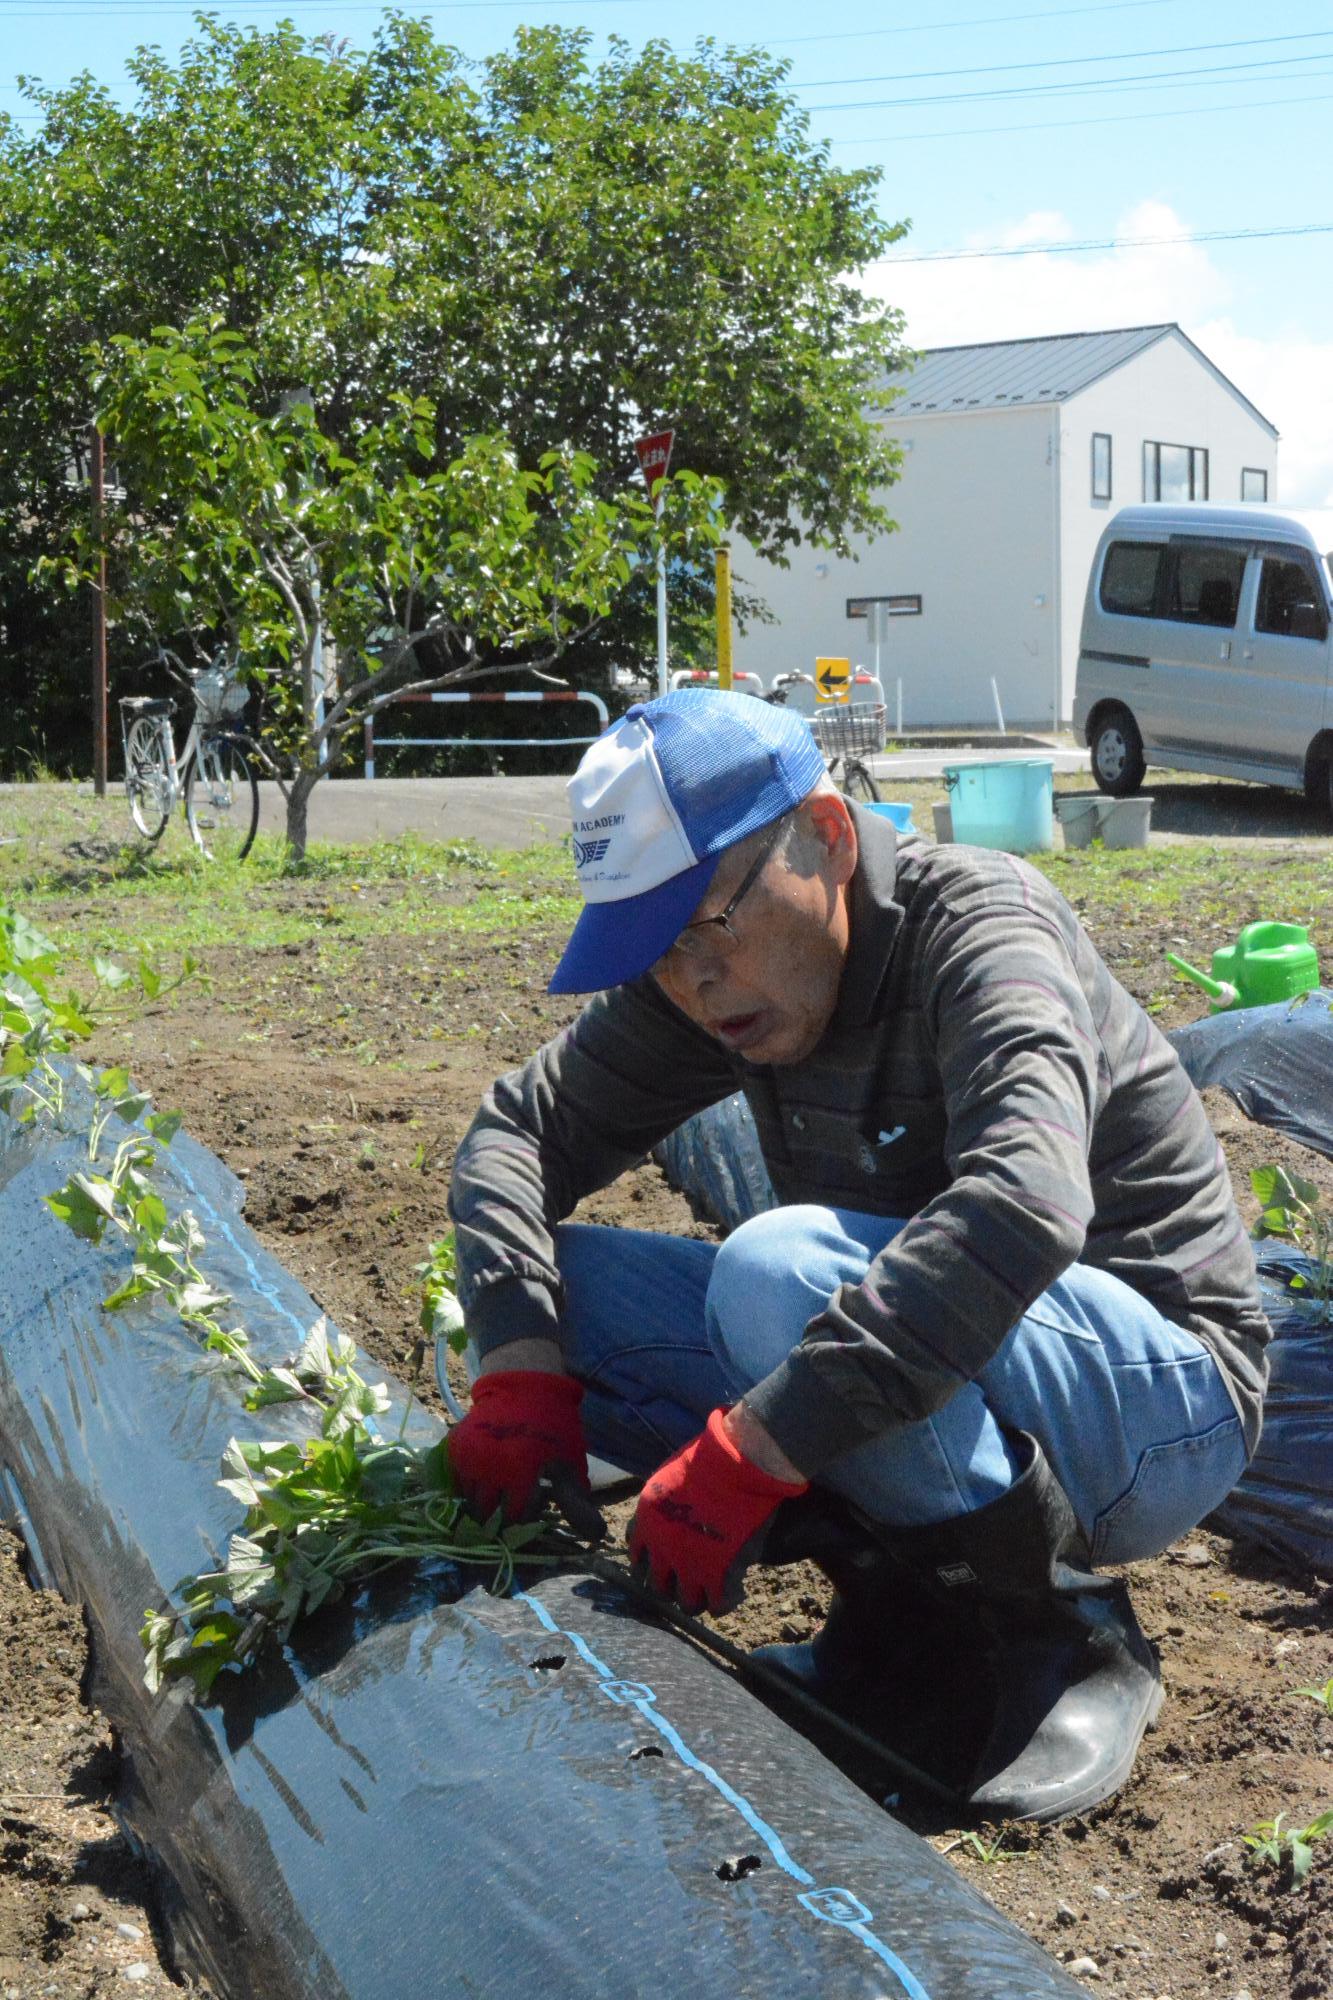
column 1268, row 962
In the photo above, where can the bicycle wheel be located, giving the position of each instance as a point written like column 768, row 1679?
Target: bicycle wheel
column 148, row 777
column 221, row 800
column 857, row 782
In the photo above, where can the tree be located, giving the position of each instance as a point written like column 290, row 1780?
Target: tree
column 565, row 252
column 261, row 527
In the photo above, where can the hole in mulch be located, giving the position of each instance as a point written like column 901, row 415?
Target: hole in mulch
column 547, row 1663
column 646, row 1750
column 739, row 1868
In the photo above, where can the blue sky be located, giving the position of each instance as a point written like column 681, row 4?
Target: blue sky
column 998, row 123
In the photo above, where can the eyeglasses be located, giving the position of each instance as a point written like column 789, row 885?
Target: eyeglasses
column 715, row 934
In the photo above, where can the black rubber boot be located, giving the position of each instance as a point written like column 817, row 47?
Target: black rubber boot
column 894, row 1655
column 1075, row 1681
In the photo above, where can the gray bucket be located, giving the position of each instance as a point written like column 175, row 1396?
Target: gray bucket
column 943, row 812
column 1079, row 815
column 1089, row 816
column 1125, row 822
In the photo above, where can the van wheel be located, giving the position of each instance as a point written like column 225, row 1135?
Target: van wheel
column 1117, row 754
column 1319, row 781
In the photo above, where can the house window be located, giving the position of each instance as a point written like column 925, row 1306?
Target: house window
column 1253, row 483
column 1174, row 471
column 1101, row 465
column 894, row 607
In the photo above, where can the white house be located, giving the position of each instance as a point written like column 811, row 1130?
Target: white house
column 1015, row 453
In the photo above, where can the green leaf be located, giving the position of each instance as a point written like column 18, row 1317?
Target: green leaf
column 124, row 1295
column 275, row 1385
column 150, row 1214
column 164, row 1125
column 85, row 1204
column 197, row 1299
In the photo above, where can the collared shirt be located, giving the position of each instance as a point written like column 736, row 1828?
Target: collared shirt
column 983, row 1075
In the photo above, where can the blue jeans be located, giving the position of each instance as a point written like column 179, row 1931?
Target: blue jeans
column 1130, row 1409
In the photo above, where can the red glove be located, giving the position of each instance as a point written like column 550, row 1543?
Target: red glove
column 523, row 1423
column 699, row 1519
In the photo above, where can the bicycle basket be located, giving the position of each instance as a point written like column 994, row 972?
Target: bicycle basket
column 842, row 731
column 218, row 695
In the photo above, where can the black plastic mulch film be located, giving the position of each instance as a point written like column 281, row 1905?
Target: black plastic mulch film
column 431, row 1791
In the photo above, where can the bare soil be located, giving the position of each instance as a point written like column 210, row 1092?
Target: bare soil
column 344, row 1124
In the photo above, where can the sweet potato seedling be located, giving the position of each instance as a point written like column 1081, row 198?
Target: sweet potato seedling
column 441, row 1314
column 1286, row 1849
column 1323, row 1695
column 1292, row 1211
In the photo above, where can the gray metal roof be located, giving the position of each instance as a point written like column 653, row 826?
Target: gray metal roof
column 999, row 372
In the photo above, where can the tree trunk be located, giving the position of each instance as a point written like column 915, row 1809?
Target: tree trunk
column 298, row 812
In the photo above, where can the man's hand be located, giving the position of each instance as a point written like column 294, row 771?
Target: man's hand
column 523, row 1423
column 699, row 1520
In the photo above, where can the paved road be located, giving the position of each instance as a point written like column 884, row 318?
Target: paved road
column 513, row 812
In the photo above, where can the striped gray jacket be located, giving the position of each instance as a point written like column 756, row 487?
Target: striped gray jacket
column 984, row 1074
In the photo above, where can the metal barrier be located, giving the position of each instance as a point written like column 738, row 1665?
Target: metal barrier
column 696, row 677
column 492, row 742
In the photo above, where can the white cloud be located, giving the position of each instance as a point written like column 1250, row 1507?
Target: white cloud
column 1286, row 376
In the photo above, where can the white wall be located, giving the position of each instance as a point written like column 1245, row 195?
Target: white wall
column 976, row 542
column 1001, row 583
column 1166, row 394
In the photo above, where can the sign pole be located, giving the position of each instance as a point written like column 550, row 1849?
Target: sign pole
column 661, row 599
column 723, row 600
column 654, row 455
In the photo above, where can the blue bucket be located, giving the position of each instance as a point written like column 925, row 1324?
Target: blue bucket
column 901, row 815
column 1006, row 805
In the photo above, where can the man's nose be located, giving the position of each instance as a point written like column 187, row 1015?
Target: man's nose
column 695, row 978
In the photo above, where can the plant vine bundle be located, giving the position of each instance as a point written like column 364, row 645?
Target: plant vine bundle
column 319, row 1514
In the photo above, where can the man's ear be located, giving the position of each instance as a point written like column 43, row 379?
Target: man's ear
column 832, row 826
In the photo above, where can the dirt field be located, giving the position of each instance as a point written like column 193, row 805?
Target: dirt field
column 335, row 1066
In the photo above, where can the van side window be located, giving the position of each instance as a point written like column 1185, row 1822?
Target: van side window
column 1129, row 578
column 1204, row 587
column 1289, row 601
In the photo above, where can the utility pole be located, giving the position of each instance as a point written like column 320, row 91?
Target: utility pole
column 98, row 477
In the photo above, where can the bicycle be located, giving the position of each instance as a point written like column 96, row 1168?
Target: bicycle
column 213, row 772
column 846, row 735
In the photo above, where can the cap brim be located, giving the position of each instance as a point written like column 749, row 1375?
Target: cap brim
column 615, row 942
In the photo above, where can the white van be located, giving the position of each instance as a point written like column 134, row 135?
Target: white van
column 1206, row 647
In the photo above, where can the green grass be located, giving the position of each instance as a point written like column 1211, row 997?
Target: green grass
column 65, row 859
column 1200, row 880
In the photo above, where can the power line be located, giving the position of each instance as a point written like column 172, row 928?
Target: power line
column 1067, row 62
column 1069, row 124
column 1110, row 243
column 974, row 21
column 1154, row 80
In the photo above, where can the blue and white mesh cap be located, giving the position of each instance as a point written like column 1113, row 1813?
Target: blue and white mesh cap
column 655, row 802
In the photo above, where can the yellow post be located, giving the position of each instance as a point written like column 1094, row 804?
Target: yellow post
column 724, row 617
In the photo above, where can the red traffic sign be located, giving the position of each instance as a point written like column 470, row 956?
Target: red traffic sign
column 654, row 457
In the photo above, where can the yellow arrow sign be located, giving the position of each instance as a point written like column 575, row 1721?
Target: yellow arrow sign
column 833, row 680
